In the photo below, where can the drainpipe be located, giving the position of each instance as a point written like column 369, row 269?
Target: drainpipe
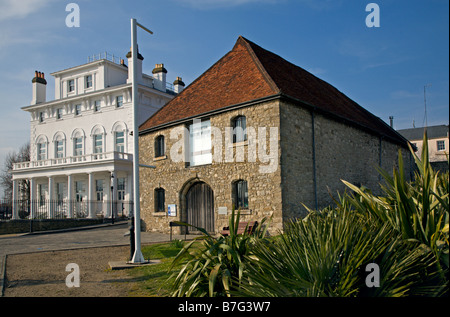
column 314, row 160
column 379, row 159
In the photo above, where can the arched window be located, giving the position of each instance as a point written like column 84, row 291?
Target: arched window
column 78, row 137
column 119, row 131
column 160, row 200
column 239, row 129
column 240, row 194
column 160, row 149
column 59, row 141
column 98, row 134
column 41, row 148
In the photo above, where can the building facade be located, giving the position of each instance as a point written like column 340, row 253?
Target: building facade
column 438, row 144
column 81, row 142
column 258, row 134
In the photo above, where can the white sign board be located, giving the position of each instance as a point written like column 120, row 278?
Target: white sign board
column 223, row 211
column 172, row 210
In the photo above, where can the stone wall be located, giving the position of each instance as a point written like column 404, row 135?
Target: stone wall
column 342, row 152
column 264, row 188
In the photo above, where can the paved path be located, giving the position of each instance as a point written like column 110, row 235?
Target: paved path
column 96, row 236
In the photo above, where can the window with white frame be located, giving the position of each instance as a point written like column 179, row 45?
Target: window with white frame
column 41, row 150
column 59, row 113
column 121, row 188
column 119, row 101
column 60, row 193
column 79, row 191
column 71, row 85
column 78, row 145
column 98, row 143
column 120, row 141
column 99, row 189
column 440, row 145
column 59, row 148
column 42, row 192
column 97, row 105
column 41, row 117
column 88, row 81
column 77, row 110
column 200, row 143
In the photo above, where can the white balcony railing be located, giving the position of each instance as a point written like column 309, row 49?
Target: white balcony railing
column 89, row 158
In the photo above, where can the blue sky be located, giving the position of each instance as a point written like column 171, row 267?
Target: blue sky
column 383, row 69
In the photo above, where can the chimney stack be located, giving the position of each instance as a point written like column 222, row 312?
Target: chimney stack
column 178, row 85
column 140, row 58
column 159, row 77
column 391, row 119
column 39, row 88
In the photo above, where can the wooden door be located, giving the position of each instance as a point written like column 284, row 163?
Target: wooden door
column 200, row 207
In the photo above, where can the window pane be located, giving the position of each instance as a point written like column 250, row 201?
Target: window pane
column 160, row 199
column 98, row 144
column 89, row 81
column 120, row 142
column 97, row 105
column 71, row 85
column 241, row 193
column 78, row 146
column 200, row 143
column 119, row 100
column 159, row 146
column 99, row 189
column 239, row 129
column 59, row 149
column 41, row 151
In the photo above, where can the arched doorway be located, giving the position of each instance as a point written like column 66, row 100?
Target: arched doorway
column 200, row 207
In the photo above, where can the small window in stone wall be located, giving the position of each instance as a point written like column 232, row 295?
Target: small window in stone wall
column 239, row 129
column 159, row 146
column 160, row 194
column 240, row 194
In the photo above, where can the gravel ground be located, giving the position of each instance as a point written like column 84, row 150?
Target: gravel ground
column 43, row 274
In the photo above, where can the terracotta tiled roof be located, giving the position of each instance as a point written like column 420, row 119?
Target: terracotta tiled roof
column 249, row 72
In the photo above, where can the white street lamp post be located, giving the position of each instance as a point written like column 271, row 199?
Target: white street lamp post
column 137, row 257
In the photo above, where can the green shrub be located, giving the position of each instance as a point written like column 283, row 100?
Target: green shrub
column 218, row 265
column 404, row 232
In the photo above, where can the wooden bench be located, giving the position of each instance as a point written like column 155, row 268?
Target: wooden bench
column 248, row 227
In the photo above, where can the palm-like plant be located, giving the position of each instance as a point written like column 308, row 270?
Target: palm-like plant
column 416, row 210
column 404, row 232
column 327, row 253
column 217, row 266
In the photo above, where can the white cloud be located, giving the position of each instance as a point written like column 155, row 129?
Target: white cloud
column 13, row 9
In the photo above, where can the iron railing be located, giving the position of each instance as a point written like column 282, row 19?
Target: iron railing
column 64, row 209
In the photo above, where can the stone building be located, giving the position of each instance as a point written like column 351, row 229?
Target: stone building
column 259, row 134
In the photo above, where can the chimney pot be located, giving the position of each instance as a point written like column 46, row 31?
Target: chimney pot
column 391, row 119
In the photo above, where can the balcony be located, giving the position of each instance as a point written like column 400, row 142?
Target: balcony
column 73, row 160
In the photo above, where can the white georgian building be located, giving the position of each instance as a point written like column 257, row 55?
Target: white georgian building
column 81, row 143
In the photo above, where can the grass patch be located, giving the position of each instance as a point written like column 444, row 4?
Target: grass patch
column 151, row 280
